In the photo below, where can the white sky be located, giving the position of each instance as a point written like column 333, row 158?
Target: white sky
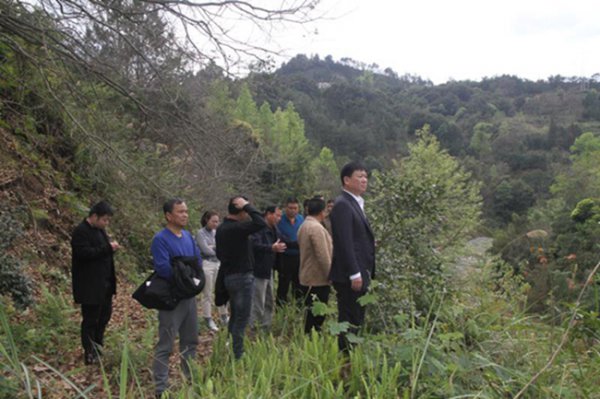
column 459, row 39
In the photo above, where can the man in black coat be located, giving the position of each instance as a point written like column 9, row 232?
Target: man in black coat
column 234, row 250
column 266, row 245
column 93, row 274
column 353, row 263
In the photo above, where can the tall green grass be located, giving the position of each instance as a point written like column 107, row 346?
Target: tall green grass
column 478, row 342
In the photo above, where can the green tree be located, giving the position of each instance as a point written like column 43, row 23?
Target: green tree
column 325, row 170
column 422, row 210
column 582, row 179
column 219, row 102
column 289, row 156
column 591, row 104
column 585, row 144
column 511, row 196
column 481, row 140
column 245, row 107
column 291, row 166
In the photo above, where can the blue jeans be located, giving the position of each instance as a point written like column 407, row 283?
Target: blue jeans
column 239, row 286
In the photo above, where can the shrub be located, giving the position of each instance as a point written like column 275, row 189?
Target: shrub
column 13, row 281
column 422, row 209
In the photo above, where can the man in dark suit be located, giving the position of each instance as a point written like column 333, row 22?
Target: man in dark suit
column 93, row 274
column 353, row 264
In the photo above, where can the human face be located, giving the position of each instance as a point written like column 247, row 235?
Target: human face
column 277, row 215
column 291, row 210
column 329, row 207
column 273, row 218
column 213, row 222
column 99, row 222
column 178, row 218
column 357, row 183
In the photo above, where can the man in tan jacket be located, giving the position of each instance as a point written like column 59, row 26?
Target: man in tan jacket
column 316, row 250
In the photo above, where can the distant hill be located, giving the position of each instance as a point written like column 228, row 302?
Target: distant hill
column 505, row 129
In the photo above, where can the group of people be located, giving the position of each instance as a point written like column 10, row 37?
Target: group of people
column 331, row 245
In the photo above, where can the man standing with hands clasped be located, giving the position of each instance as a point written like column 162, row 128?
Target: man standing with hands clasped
column 353, row 264
column 93, row 274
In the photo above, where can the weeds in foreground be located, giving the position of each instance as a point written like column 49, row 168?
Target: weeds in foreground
column 479, row 342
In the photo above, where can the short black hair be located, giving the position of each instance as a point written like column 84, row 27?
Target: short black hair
column 100, row 209
column 206, row 216
column 292, row 200
column 231, row 208
column 315, row 206
column 350, row 168
column 170, row 204
column 330, row 201
column 270, row 209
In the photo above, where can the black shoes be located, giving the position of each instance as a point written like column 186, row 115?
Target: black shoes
column 93, row 356
column 90, row 358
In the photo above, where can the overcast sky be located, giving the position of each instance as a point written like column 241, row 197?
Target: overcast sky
column 460, row 39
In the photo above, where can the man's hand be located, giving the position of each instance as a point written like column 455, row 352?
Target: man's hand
column 240, row 203
column 115, row 246
column 357, row 284
column 278, row 246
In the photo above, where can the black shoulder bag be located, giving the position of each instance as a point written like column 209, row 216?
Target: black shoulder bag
column 156, row 293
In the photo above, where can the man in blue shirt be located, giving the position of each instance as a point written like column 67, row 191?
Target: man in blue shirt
column 289, row 264
column 168, row 243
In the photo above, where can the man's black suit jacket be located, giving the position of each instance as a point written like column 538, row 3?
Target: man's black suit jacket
column 353, row 242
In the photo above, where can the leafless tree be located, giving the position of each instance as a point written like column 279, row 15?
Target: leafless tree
column 144, row 50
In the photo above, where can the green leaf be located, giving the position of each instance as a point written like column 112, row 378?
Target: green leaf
column 321, row 309
column 451, row 336
column 400, row 319
column 336, row 328
column 354, row 339
column 367, row 299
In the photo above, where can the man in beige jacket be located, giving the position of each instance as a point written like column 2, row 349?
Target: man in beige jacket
column 316, row 250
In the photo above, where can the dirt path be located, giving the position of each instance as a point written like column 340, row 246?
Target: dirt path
column 475, row 252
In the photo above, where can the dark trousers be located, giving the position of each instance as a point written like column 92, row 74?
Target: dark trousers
column 94, row 321
column 239, row 287
column 322, row 295
column 349, row 310
column 289, row 268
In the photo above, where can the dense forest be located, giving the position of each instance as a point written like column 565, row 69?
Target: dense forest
column 484, row 196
